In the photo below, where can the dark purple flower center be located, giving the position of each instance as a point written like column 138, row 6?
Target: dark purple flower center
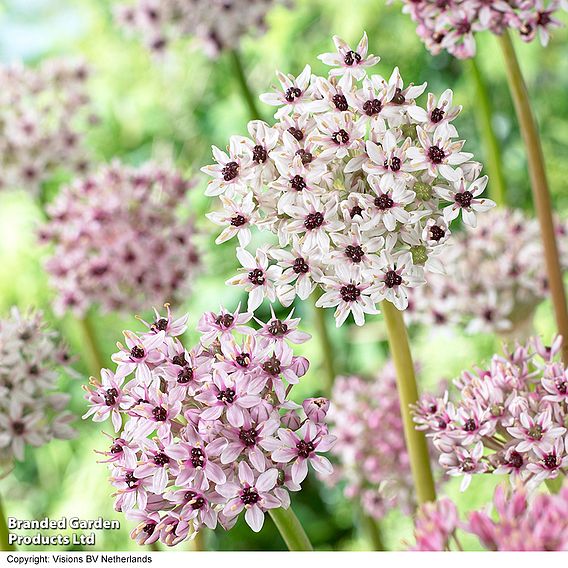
column 272, row 366
column 248, row 437
column 340, row 102
column 392, row 279
column 464, row 198
column 159, row 413
column 372, row 107
column 313, row 221
column 305, row 448
column 197, row 457
column 355, row 253
column 110, row 396
column 238, row 221
column 350, row 293
column 137, row 352
column 515, row 460
column 225, row 320
column 437, row 115
column 436, row 154
column 300, row 266
column 230, row 171
column 249, row 496
column 384, row 202
column 340, row 137
column 298, row 183
column 116, row 449
column 227, row 395
column 398, row 98
column 550, row 461
column 185, row 375
column 356, row 210
column 292, row 94
column 306, row 157
column 535, row 432
column 395, row 164
column 296, row 133
column 19, row 427
column 351, row 57
column 160, row 325
column 256, row 276
column 561, row 386
column 470, row 425
column 437, row 233
column 149, row 528
column 467, row 465
column 259, row 154
column 277, row 328
column 161, row 459
column 130, row 480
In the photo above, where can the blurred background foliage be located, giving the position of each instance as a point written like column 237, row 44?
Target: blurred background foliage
column 176, row 107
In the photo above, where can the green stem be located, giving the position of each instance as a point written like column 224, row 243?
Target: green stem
column 408, row 394
column 291, row 530
column 90, row 344
column 328, row 354
column 246, row 91
column 497, row 187
column 555, row 485
column 198, row 543
column 4, row 542
column 373, row 531
column 539, row 183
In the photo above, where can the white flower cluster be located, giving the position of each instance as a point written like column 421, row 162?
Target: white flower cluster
column 218, row 24
column 32, row 411
column 495, row 276
column 42, row 112
column 358, row 182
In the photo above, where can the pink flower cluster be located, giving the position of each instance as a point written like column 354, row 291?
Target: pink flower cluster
column 218, row 24
column 537, row 522
column 357, row 182
column 510, row 418
column 42, row 114
column 32, row 411
column 373, row 461
column 206, row 433
column 452, row 24
column 119, row 239
column 495, row 276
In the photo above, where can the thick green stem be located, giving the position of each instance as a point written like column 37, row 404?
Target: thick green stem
column 408, row 394
column 4, row 542
column 372, row 530
column 539, row 183
column 90, row 345
column 497, row 187
column 291, row 530
column 328, row 354
column 246, row 91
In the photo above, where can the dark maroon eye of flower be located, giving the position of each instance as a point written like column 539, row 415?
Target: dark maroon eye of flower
column 256, row 276
column 561, row 386
column 225, row 320
column 179, row 360
column 550, row 461
column 137, row 352
column 437, row 233
column 437, row 115
column 185, row 375
column 350, row 293
column 356, row 210
column 160, row 414
column 384, row 202
column 243, row 359
column 259, row 154
column 296, row 133
column 535, row 432
column 130, row 480
column 161, row 459
column 351, row 57
column 340, row 137
column 313, row 221
column 249, row 496
column 227, row 395
column 197, row 457
column 470, row 425
column 355, row 253
column 395, row 164
column 463, row 27
column 277, row 328
column 543, row 19
column 372, row 107
column 305, row 448
column 398, row 98
column 515, row 460
column 116, row 449
column 488, row 314
column 230, row 171
column 306, row 157
column 298, row 183
column 467, row 465
column 19, row 427
column 149, row 528
column 272, row 366
column 248, row 437
column 160, row 325
column 110, row 397
column 463, row 199
column 198, row 503
column 292, row 93
column 238, row 221
column 300, row 266
column 340, row 102
column 392, row 279
column 436, row 154
column 189, row 495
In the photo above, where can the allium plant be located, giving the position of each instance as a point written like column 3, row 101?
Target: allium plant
column 120, row 239
column 205, row 433
column 495, row 276
column 452, row 24
column 358, row 182
column 370, row 450
column 218, row 24
column 42, row 112
column 524, row 522
column 32, row 410
column 510, row 417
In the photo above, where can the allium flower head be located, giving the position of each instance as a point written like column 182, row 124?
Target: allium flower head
column 119, row 239
column 205, row 433
column 32, row 411
column 495, row 276
column 42, row 114
column 218, row 24
column 510, row 418
column 373, row 461
column 357, row 182
column 452, row 25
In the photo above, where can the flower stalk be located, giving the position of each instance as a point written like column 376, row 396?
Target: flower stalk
column 5, row 544
column 372, row 530
column 539, row 184
column 408, row 394
column 246, row 91
column 328, row 358
column 93, row 356
column 291, row 529
column 497, row 187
